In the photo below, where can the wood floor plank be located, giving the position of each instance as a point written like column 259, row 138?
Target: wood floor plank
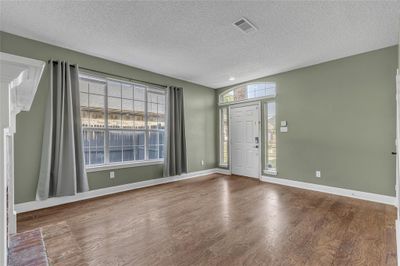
column 61, row 246
column 223, row 220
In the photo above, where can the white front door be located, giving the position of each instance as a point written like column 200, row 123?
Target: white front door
column 245, row 140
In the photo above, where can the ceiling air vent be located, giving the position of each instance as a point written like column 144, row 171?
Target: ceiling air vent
column 245, row 25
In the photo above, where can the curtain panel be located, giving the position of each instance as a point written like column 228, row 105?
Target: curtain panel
column 175, row 162
column 62, row 170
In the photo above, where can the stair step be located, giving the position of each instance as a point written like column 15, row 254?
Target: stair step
column 27, row 248
column 52, row 244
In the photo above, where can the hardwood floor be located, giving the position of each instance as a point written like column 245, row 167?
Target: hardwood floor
column 223, row 220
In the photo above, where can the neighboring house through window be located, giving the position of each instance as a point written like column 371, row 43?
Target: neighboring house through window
column 249, row 91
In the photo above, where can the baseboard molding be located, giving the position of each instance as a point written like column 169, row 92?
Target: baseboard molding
column 332, row 190
column 223, row 171
column 51, row 202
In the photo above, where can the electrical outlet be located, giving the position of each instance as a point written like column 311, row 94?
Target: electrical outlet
column 202, row 162
column 112, row 174
column 318, row 174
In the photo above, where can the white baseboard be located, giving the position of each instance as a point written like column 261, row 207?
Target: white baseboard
column 223, row 171
column 332, row 190
column 36, row 205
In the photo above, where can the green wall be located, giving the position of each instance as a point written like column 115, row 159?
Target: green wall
column 341, row 118
column 200, row 116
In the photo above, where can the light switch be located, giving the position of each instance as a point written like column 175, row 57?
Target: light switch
column 283, row 123
column 284, row 129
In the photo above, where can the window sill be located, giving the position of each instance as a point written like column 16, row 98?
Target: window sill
column 111, row 166
column 271, row 172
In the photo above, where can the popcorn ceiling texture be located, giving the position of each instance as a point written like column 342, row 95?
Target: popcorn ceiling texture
column 196, row 41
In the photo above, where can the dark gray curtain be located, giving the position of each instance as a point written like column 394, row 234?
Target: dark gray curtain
column 175, row 162
column 62, row 171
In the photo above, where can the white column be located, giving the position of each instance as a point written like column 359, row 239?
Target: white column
column 19, row 78
column 3, row 179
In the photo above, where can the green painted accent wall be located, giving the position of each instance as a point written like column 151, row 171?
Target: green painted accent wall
column 341, row 118
column 200, row 116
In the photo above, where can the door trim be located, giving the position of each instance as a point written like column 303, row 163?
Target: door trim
column 261, row 140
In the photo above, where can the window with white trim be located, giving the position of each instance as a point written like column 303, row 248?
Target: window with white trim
column 248, row 91
column 270, row 137
column 223, row 146
column 122, row 122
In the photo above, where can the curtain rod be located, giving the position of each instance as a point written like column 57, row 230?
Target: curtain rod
column 117, row 76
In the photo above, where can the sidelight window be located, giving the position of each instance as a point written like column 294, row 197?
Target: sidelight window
column 223, row 160
column 270, row 137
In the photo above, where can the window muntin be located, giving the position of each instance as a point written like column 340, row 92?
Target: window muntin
column 270, row 136
column 248, row 91
column 224, row 137
column 121, row 121
column 93, row 145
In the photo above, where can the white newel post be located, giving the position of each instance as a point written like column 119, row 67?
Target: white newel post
column 397, row 142
column 398, row 163
column 20, row 78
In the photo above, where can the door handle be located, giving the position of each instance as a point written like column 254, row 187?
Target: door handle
column 394, row 153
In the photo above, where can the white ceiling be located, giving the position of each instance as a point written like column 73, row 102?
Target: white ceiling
column 196, row 41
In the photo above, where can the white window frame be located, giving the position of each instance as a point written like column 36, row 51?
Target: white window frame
column 221, row 103
column 269, row 171
column 221, row 136
column 107, row 165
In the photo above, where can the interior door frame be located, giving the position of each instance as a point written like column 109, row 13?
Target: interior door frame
column 261, row 141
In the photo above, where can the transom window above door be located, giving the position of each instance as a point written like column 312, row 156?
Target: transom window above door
column 248, row 91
